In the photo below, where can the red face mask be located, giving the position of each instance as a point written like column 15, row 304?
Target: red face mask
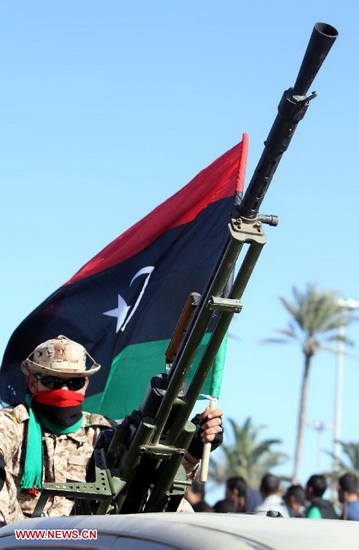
column 58, row 398
column 62, row 408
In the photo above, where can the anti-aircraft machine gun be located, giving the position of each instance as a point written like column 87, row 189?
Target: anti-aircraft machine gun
column 140, row 469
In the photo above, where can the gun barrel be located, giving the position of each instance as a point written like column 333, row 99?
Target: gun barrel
column 291, row 110
column 321, row 40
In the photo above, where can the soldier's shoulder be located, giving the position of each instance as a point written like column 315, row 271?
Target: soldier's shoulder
column 96, row 420
column 17, row 414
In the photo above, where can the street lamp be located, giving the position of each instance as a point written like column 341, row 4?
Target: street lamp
column 319, row 427
column 348, row 303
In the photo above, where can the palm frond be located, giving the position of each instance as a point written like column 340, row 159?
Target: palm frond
column 274, row 341
column 316, row 318
column 245, row 455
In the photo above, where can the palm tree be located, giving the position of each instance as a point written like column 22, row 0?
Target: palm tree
column 246, row 456
column 351, row 452
column 316, row 318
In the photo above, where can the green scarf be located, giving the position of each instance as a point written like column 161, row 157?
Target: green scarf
column 31, row 480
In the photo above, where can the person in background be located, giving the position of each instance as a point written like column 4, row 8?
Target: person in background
column 253, row 499
column 273, row 502
column 294, row 498
column 314, row 491
column 235, row 496
column 195, row 495
column 348, row 495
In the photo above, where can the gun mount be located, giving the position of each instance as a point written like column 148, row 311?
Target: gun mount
column 140, row 470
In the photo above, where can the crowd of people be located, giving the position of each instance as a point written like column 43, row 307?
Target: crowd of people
column 294, row 502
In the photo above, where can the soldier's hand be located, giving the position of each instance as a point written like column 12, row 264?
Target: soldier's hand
column 209, row 429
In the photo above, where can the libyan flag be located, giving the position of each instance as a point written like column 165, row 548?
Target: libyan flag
column 123, row 305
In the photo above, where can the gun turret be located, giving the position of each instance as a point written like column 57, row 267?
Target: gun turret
column 141, row 469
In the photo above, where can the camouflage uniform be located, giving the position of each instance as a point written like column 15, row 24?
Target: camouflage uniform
column 64, row 459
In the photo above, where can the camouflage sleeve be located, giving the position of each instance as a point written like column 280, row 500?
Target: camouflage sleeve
column 10, row 509
column 11, row 435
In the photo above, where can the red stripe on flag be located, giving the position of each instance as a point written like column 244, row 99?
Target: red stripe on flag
column 218, row 181
column 242, row 164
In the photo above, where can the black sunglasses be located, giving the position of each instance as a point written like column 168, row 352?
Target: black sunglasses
column 55, row 383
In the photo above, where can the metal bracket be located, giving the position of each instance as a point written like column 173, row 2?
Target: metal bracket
column 161, row 451
column 247, row 231
column 225, row 304
column 100, row 489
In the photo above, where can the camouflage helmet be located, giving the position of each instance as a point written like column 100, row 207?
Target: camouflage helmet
column 59, row 357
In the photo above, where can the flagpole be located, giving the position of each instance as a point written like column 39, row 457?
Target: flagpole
column 207, row 446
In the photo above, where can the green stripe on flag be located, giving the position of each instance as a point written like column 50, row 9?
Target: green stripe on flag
column 132, row 370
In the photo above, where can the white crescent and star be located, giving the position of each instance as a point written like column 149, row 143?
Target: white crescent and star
column 121, row 312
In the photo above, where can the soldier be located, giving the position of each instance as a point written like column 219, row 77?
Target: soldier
column 49, row 438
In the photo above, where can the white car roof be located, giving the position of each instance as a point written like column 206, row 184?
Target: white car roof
column 189, row 531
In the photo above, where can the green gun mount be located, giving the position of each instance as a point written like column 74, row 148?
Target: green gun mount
column 140, row 470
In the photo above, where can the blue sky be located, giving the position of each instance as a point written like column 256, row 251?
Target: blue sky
column 108, row 108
